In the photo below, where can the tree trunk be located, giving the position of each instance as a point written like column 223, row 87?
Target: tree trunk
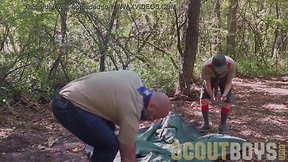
column 284, row 44
column 232, row 28
column 216, row 36
column 4, row 37
column 106, row 39
column 62, row 50
column 190, row 50
column 277, row 38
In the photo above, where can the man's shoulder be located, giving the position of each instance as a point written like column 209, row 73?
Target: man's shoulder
column 207, row 65
column 230, row 62
column 208, row 61
column 229, row 59
column 127, row 73
column 117, row 72
column 116, row 75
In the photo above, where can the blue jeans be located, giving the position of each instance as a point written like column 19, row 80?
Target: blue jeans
column 88, row 127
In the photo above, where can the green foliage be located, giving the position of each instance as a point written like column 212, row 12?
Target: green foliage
column 145, row 40
column 252, row 66
column 160, row 75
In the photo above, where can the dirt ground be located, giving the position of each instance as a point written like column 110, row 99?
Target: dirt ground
column 259, row 114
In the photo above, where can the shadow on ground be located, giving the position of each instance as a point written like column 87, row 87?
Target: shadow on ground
column 259, row 114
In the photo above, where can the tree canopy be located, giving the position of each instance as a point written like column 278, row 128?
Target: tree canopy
column 47, row 43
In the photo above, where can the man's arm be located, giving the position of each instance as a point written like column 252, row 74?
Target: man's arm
column 127, row 152
column 127, row 137
column 228, row 86
column 209, row 89
column 230, row 76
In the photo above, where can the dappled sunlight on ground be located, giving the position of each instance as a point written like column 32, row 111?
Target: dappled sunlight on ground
column 265, row 87
column 5, row 132
column 259, row 111
column 276, row 107
column 269, row 114
column 259, row 114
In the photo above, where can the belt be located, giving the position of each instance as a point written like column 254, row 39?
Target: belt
column 62, row 99
column 59, row 97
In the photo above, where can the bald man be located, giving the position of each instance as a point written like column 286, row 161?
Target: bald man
column 90, row 106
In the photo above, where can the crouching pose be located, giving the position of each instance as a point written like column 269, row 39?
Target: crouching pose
column 90, row 106
column 217, row 71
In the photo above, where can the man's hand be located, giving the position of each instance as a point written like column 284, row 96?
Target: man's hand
column 127, row 152
column 214, row 101
column 223, row 98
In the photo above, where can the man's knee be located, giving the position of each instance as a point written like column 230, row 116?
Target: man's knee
column 226, row 105
column 204, row 101
column 228, row 96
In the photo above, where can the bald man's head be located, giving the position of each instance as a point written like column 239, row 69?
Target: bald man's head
column 159, row 106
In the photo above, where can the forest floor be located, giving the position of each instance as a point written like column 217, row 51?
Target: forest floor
column 259, row 114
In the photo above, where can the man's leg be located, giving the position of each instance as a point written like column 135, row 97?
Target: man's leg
column 204, row 103
column 223, row 129
column 205, row 113
column 90, row 128
column 107, row 148
column 225, row 109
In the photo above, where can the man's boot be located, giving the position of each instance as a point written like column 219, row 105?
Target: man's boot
column 223, row 129
column 205, row 127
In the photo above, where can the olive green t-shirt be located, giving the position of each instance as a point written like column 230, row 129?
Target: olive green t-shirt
column 112, row 95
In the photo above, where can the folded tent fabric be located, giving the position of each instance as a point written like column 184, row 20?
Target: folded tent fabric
column 156, row 143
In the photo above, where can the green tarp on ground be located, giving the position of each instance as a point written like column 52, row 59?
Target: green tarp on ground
column 174, row 140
